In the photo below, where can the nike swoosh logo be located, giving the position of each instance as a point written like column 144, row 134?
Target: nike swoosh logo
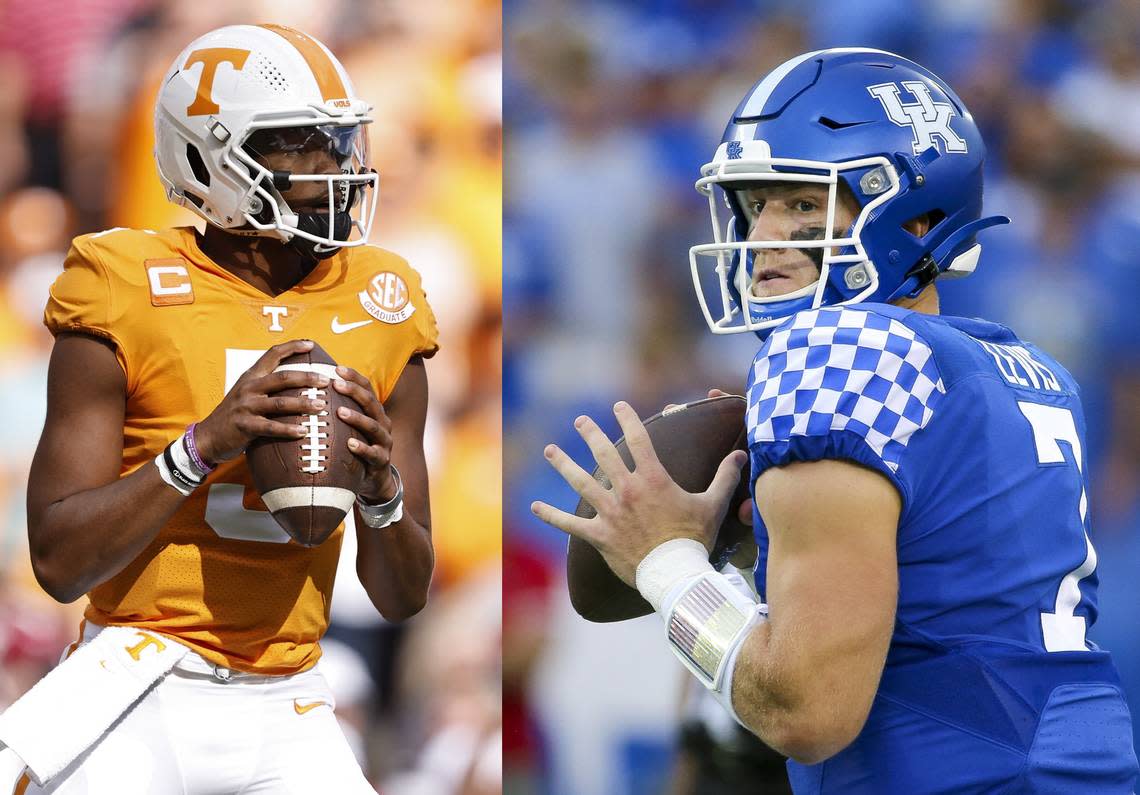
column 340, row 328
column 301, row 710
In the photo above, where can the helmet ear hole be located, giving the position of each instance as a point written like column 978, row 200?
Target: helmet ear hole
column 920, row 226
column 197, row 165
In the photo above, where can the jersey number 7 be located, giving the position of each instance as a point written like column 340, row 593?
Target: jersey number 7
column 1061, row 629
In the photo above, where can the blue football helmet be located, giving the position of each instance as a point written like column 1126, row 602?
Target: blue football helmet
column 898, row 138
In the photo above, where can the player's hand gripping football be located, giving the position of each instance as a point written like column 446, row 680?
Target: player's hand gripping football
column 247, row 410
column 376, row 428
column 744, row 510
column 645, row 507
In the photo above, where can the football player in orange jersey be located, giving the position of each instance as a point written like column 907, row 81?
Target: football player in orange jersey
column 163, row 371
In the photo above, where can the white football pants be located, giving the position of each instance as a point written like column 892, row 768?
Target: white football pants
column 196, row 733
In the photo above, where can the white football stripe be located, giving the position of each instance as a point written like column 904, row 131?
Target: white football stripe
column 328, row 370
column 304, row 496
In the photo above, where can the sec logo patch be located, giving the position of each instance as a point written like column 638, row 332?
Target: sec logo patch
column 387, row 298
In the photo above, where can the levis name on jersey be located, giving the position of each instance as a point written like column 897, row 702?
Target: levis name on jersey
column 1018, row 366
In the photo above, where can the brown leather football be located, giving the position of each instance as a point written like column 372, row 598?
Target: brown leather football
column 309, row 484
column 691, row 440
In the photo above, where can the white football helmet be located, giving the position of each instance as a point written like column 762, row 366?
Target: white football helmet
column 242, row 90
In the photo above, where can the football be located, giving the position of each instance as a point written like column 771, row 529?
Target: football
column 310, row 483
column 691, row 440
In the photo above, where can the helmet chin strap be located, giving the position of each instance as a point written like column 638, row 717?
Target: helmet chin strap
column 317, row 224
column 313, row 223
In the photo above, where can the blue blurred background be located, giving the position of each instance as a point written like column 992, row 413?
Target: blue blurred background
column 611, row 108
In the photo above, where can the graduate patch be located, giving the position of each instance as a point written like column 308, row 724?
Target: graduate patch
column 387, row 298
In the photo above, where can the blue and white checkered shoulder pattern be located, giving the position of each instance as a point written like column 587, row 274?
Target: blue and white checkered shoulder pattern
column 840, row 370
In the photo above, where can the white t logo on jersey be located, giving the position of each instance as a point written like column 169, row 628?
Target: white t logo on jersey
column 927, row 119
column 275, row 313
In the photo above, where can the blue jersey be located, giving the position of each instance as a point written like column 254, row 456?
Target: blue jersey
column 990, row 683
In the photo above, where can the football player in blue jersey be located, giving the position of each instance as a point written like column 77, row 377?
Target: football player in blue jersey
column 919, row 481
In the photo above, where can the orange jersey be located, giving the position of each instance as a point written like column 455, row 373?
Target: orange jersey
column 222, row 576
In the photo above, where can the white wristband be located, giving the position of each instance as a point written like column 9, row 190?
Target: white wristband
column 669, row 565
column 183, row 461
column 706, row 619
column 380, row 516
column 170, row 478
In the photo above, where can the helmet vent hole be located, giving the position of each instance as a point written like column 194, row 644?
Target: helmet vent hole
column 197, row 166
column 271, row 77
column 832, row 124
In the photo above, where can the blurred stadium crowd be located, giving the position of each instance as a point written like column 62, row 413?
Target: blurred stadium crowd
column 611, row 108
column 77, row 84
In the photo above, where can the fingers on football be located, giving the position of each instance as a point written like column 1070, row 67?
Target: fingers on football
column 602, row 449
column 744, row 512
column 273, row 357
column 727, row 476
column 288, row 379
column 363, row 395
column 375, row 432
column 374, row 455
column 348, row 374
column 566, row 522
column 253, row 426
column 579, row 479
column 276, row 405
column 636, row 437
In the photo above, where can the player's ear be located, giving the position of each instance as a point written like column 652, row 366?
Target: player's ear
column 919, row 225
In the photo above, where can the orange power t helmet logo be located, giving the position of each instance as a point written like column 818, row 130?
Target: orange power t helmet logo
column 210, row 57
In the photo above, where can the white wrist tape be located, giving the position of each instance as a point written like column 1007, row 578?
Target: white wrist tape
column 669, row 564
column 707, row 616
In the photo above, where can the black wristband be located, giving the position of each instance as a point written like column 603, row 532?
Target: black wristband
column 183, row 479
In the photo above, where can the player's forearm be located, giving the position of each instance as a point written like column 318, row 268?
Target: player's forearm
column 395, row 565
column 792, row 683
column 791, row 698
column 83, row 540
column 765, row 697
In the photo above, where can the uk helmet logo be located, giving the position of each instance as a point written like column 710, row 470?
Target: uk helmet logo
column 929, row 121
column 387, row 298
